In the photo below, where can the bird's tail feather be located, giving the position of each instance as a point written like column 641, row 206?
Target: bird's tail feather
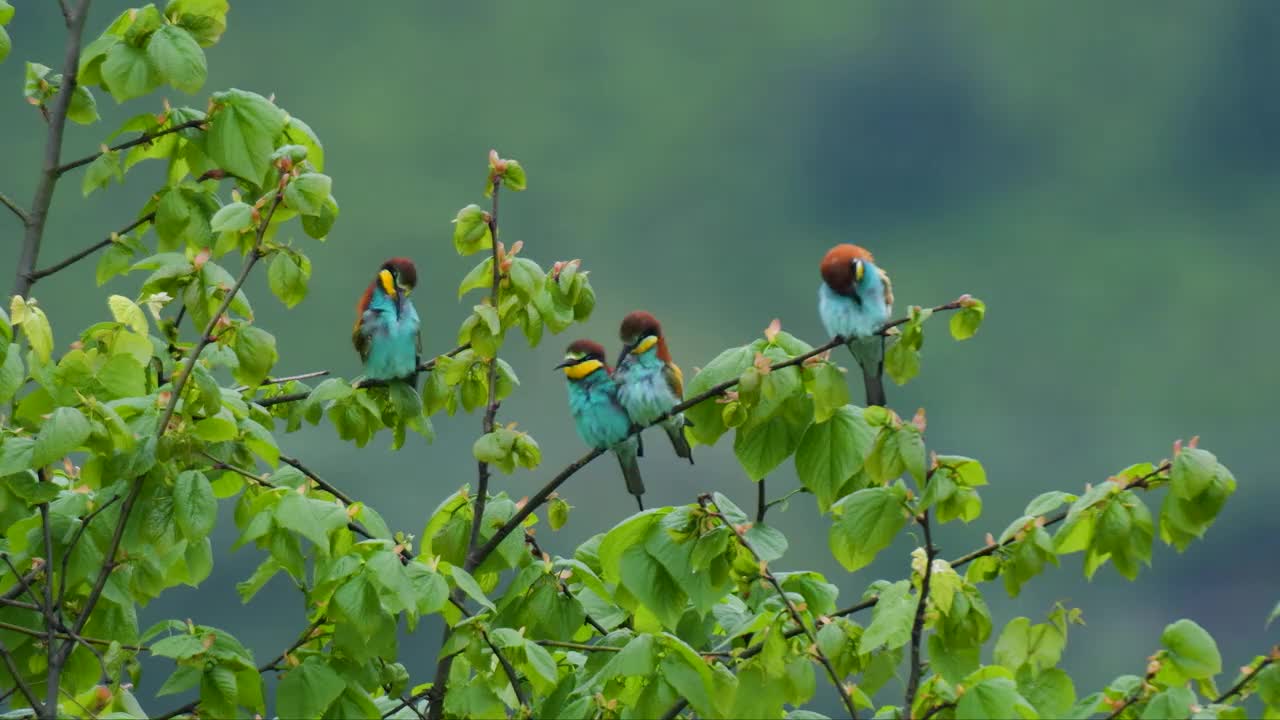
column 869, row 352
column 675, row 431
column 630, row 469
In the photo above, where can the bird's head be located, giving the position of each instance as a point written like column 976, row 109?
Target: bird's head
column 397, row 277
column 640, row 331
column 845, row 267
column 583, row 358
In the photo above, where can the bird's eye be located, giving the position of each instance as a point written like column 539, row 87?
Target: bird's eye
column 858, row 270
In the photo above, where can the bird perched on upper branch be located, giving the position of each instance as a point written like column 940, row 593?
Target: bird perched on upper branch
column 600, row 420
column 854, row 302
column 649, row 383
column 387, row 326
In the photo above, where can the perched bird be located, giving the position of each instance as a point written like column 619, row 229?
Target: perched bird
column 649, row 383
column 601, row 421
column 387, row 325
column 854, row 302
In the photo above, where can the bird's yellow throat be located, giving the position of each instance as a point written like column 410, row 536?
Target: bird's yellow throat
column 582, row 369
column 388, row 283
column 645, row 344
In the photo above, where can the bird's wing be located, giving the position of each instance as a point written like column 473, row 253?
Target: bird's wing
column 362, row 333
column 888, row 287
column 675, row 378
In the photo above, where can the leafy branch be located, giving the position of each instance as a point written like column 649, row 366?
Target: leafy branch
column 704, row 500
column 425, row 366
column 145, row 138
column 86, row 252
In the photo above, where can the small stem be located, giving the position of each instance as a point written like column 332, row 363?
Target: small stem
column 82, row 254
column 762, row 504
column 23, row 687
column 1245, row 680
column 145, row 138
column 323, row 485
column 917, row 626
column 17, row 209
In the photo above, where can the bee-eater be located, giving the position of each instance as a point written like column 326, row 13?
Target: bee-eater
column 854, row 302
column 387, row 325
column 600, row 420
column 649, row 383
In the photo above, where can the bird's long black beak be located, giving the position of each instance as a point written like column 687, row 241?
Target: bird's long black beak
column 626, row 350
column 565, row 364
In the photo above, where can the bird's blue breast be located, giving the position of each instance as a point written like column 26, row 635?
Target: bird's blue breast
column 643, row 390
column 393, row 338
column 600, row 420
column 848, row 318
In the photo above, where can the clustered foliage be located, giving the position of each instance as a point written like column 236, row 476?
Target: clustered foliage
column 117, row 450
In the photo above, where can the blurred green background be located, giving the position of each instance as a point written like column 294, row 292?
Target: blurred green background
column 1104, row 175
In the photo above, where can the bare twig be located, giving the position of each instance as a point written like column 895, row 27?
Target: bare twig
column 140, row 140
column 427, row 366
column 541, row 496
column 1248, row 677
column 17, row 209
column 86, row 252
column 762, row 503
column 71, row 546
column 52, row 619
column 23, row 687
column 39, row 211
column 66, row 11
column 62, row 635
column 705, row 501
column 323, row 485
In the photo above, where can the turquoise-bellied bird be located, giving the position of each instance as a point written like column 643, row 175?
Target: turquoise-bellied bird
column 601, row 421
column 387, row 325
column 854, row 302
column 649, row 383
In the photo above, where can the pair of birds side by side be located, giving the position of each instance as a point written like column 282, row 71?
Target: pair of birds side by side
column 607, row 403
column 855, row 300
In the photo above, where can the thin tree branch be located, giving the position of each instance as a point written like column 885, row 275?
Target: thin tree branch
column 66, row 554
column 937, row 709
column 140, row 140
column 63, row 635
column 24, row 581
column 327, row 487
column 39, row 211
column 52, row 621
column 109, row 562
column 20, row 604
column 1240, row 685
column 705, row 501
column 22, row 685
column 541, row 496
column 762, row 503
column 17, row 209
column 86, row 252
column 427, row 366
column 66, row 11
column 917, row 625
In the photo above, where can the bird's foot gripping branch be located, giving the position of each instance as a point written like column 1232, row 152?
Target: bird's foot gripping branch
column 119, row 443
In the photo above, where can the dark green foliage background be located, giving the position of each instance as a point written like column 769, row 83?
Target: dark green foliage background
column 1102, row 175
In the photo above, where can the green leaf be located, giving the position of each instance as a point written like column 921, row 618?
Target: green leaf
column 471, row 231
column 84, row 107
column 6, row 12
column 1192, row 649
column 467, row 584
column 64, row 431
column 311, row 518
column 995, row 697
column 308, row 193
column 232, row 217
column 513, row 176
column 242, row 132
column 255, row 348
column 1275, row 612
column 5, row 44
column 183, row 678
column 195, row 509
column 178, row 58
column 830, row 390
column 127, row 311
column 308, row 690
column 1172, row 703
column 1192, row 472
column 479, row 278
column 891, row 619
column 129, row 72
column 831, row 452
column 708, row 424
column 206, row 20
column 866, row 523
column 35, row 326
column 100, row 172
column 965, row 323
column 288, row 275
column 1051, row 693
column 763, row 446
